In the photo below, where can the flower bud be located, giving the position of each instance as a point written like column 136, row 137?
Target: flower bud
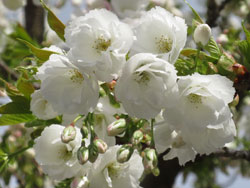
column 85, row 132
column 83, row 155
column 137, row 137
column 147, row 139
column 150, row 160
column 124, row 153
column 93, row 153
column 202, row 34
column 80, row 182
column 68, row 134
column 156, row 171
column 117, row 127
column 101, row 145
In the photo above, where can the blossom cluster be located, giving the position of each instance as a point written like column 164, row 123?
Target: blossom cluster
column 189, row 114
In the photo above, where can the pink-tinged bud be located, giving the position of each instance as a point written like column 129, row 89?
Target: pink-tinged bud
column 137, row 137
column 147, row 139
column 202, row 34
column 117, row 127
column 150, row 160
column 82, row 182
column 68, row 134
column 101, row 145
column 124, row 153
column 83, row 155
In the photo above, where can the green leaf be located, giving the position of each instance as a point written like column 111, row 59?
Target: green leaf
column 38, row 122
column 42, row 55
column 15, row 108
column 54, row 23
column 213, row 48
column 246, row 32
column 196, row 15
column 184, row 66
column 188, row 52
column 25, row 87
column 13, row 119
column 21, row 33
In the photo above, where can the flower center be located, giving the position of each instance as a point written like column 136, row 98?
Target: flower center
column 116, row 170
column 101, row 44
column 76, row 76
column 164, row 44
column 194, row 98
column 64, row 153
column 142, row 77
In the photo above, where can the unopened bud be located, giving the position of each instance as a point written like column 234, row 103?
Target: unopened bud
column 93, row 153
column 235, row 101
column 117, row 127
column 101, row 145
column 147, row 139
column 84, row 132
column 156, row 171
column 202, row 34
column 137, row 137
column 150, row 160
column 80, row 182
column 124, row 153
column 83, row 155
column 68, row 134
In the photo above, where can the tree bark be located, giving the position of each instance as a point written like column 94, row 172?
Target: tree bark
column 34, row 21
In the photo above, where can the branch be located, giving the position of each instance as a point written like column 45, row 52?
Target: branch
column 233, row 154
column 34, row 20
column 6, row 72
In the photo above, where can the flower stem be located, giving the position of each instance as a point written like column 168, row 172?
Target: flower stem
column 152, row 133
column 197, row 59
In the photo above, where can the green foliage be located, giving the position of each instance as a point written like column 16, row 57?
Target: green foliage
column 213, row 48
column 54, row 23
column 41, row 54
column 244, row 47
column 196, row 15
column 13, row 119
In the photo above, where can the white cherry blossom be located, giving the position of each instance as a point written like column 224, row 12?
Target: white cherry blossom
column 107, row 172
column 40, row 107
column 161, row 33
column 66, row 88
column 56, row 158
column 99, row 42
column 206, row 121
column 146, row 85
column 14, row 4
column 129, row 8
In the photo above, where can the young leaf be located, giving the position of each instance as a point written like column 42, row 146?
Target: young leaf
column 213, row 48
column 54, row 23
column 25, row 86
column 10, row 89
column 246, row 32
column 13, row 119
column 42, row 55
column 196, row 15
